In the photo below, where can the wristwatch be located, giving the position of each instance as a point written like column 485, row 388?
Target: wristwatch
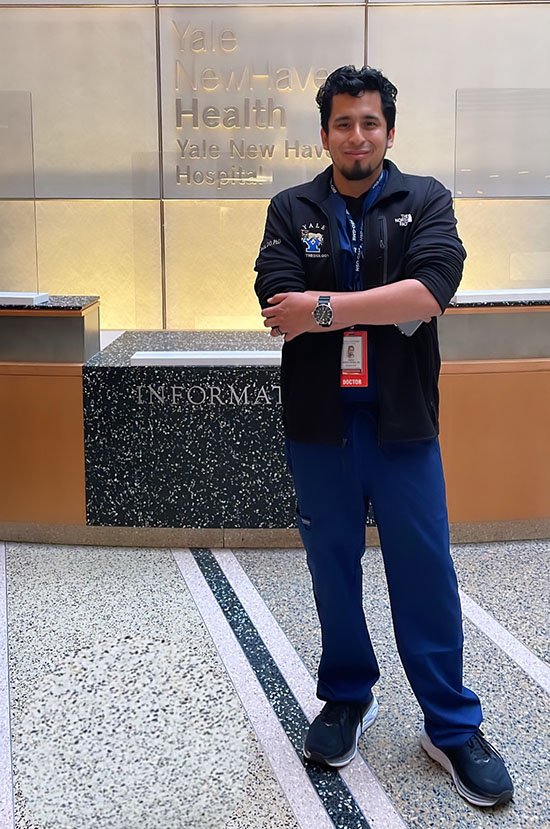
column 323, row 313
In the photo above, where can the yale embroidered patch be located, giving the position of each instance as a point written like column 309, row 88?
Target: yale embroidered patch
column 313, row 238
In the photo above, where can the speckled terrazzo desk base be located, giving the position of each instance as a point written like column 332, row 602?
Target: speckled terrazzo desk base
column 251, row 538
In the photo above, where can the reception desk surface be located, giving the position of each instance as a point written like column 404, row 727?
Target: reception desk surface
column 119, row 353
column 187, row 451
column 54, row 303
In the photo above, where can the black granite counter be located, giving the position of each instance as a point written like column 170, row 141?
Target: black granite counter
column 512, row 303
column 61, row 303
column 185, row 446
column 119, row 352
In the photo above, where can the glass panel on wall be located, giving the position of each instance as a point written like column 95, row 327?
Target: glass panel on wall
column 92, row 75
column 240, row 2
column 72, row 3
column 18, row 265
column 466, row 96
column 239, row 113
column 104, row 248
column 430, row 53
column 438, row 2
column 502, row 143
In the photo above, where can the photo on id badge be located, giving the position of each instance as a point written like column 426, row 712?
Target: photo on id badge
column 352, row 356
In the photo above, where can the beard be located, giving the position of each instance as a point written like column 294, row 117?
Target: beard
column 356, row 172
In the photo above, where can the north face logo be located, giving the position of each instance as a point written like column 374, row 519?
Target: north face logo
column 404, row 219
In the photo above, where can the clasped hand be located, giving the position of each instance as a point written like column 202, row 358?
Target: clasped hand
column 290, row 314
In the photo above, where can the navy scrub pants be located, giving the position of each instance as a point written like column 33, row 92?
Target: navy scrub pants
column 404, row 482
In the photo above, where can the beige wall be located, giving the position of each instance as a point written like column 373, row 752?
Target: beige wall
column 103, row 223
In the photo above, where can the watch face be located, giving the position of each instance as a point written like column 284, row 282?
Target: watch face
column 323, row 315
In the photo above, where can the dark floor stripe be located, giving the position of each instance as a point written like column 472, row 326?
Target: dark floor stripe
column 333, row 792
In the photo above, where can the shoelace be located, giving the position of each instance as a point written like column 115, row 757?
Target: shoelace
column 333, row 711
column 480, row 747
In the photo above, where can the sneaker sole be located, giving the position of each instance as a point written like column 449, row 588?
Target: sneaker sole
column 472, row 797
column 339, row 762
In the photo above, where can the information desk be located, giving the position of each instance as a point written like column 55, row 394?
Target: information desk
column 194, row 454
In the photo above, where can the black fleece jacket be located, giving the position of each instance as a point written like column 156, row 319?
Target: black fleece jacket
column 410, row 233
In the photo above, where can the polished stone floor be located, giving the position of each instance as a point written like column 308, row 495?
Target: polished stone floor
column 158, row 689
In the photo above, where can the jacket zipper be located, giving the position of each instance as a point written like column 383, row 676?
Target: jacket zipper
column 383, row 226
column 383, row 243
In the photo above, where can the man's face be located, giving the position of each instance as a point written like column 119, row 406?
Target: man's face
column 357, row 137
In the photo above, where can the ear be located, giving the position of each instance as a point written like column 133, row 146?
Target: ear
column 324, row 139
column 391, row 136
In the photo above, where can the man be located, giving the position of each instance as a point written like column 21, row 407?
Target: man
column 361, row 251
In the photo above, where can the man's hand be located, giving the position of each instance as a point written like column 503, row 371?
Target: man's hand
column 290, row 314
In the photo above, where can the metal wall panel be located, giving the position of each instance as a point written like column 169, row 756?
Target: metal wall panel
column 16, row 151
column 507, row 242
column 230, row 3
column 109, row 249
column 238, row 93
column 92, row 75
column 211, row 247
column 72, row 3
column 439, row 2
column 430, row 53
column 17, row 247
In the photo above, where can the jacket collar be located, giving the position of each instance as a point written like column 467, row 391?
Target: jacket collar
column 318, row 190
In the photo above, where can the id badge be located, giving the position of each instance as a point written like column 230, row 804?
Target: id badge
column 354, row 363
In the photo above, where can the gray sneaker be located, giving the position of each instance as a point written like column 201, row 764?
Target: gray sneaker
column 333, row 735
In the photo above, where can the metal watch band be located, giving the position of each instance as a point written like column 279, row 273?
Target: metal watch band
column 322, row 312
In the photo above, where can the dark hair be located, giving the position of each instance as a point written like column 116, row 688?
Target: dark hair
column 352, row 81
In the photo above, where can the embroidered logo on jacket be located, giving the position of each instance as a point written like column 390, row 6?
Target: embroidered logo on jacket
column 404, row 219
column 313, row 239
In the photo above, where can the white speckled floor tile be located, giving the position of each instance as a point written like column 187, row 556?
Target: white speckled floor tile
column 122, row 713
column 263, row 806
column 512, row 582
column 6, row 781
column 110, row 722
column 517, row 711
